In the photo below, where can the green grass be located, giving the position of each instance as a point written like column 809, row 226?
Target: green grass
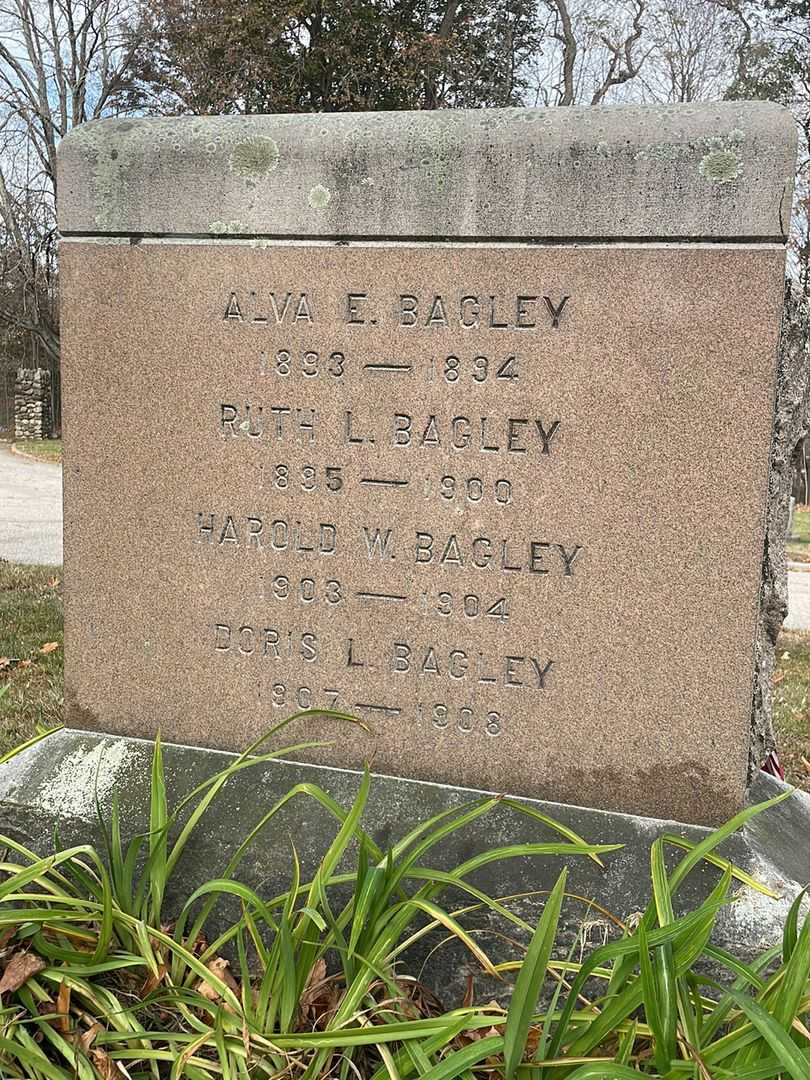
column 30, row 680
column 799, row 550
column 102, row 980
column 46, row 449
column 791, row 705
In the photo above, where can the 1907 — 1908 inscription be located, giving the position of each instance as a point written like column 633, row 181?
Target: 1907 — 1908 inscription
column 480, row 497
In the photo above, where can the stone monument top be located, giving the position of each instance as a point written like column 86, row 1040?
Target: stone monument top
column 456, row 421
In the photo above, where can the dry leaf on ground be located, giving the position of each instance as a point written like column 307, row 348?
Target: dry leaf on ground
column 313, row 987
column 88, row 1036
column 108, row 1069
column 19, row 970
column 49, row 646
column 154, row 981
column 320, row 997
column 63, row 1008
column 219, row 967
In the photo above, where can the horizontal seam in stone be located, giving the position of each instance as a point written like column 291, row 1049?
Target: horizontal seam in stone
column 549, row 241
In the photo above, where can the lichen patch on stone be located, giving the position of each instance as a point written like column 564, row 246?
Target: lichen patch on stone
column 254, row 158
column 319, row 197
column 721, row 166
column 228, row 228
column 86, row 774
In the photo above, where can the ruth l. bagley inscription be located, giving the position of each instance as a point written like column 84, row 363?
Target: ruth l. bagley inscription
column 458, row 422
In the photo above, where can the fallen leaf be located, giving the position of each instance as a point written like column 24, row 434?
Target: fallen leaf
column 63, row 1008
column 108, row 1069
column 53, row 582
column 87, row 1038
column 154, row 981
column 25, row 663
column 20, row 968
column 313, row 985
column 319, row 997
column 49, row 646
column 219, row 967
column 470, row 1035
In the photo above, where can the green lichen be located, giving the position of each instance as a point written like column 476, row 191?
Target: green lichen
column 228, row 228
column 721, row 166
column 255, row 158
column 319, row 197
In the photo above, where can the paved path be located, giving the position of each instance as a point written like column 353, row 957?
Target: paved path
column 798, row 617
column 30, row 510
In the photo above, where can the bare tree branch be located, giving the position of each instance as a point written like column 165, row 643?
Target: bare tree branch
column 619, row 73
column 61, row 62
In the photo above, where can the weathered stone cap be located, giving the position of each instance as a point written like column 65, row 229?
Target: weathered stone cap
column 680, row 172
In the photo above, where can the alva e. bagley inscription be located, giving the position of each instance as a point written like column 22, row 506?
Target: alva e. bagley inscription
column 491, row 497
column 468, row 312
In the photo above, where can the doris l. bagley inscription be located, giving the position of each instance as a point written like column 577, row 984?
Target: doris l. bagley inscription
column 458, row 422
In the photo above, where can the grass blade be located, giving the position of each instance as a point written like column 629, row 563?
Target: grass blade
column 461, row 1060
column 530, row 979
column 792, row 1059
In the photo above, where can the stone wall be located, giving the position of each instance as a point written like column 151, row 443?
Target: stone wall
column 32, row 404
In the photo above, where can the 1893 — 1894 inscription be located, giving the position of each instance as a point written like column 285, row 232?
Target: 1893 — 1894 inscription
column 504, row 503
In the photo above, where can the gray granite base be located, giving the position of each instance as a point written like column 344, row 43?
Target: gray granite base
column 51, row 789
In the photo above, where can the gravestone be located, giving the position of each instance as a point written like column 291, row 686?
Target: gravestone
column 458, row 422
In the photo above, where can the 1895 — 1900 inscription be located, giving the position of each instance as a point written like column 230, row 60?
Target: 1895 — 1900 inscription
column 484, row 498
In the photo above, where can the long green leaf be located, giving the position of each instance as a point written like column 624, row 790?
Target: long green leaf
column 460, row 1060
column 793, row 1061
column 606, row 1071
column 794, row 982
column 790, row 933
column 157, row 870
column 530, row 979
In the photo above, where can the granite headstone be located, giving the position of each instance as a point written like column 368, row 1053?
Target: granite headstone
column 457, row 422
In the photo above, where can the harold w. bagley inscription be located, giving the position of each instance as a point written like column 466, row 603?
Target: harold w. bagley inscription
column 502, row 499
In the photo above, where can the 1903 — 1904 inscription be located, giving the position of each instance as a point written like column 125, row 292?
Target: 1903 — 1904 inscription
column 504, row 503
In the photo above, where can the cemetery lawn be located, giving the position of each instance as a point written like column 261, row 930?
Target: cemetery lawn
column 791, row 705
column 42, row 449
column 799, row 550
column 30, row 651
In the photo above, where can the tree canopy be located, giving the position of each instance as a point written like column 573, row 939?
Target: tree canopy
column 224, row 56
